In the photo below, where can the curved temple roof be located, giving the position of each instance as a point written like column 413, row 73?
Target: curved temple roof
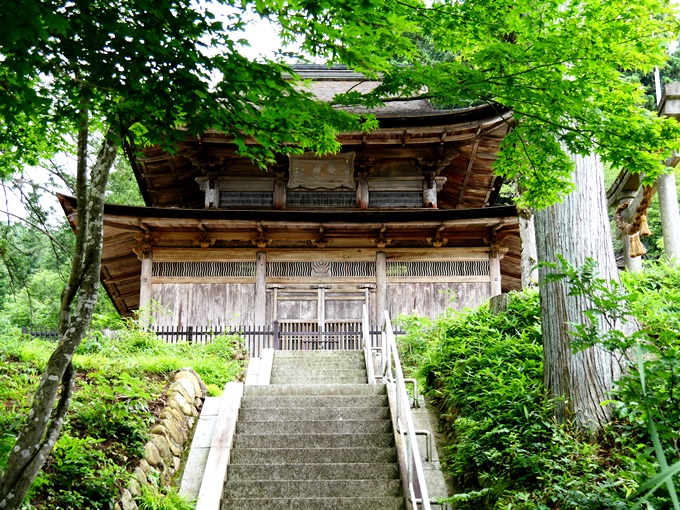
column 460, row 145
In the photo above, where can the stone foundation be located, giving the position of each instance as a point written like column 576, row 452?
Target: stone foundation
column 169, row 437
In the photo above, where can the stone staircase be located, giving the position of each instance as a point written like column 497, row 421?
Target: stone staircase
column 317, row 437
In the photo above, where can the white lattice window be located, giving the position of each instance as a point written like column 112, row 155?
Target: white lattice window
column 204, row 269
column 441, row 268
column 320, row 269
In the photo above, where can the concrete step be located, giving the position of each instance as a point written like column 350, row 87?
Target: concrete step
column 316, row 367
column 323, row 361
column 330, row 370
column 315, row 389
column 313, row 354
column 315, row 401
column 372, row 471
column 386, row 503
column 311, row 488
column 311, row 413
column 313, row 440
column 315, row 427
column 328, row 378
column 313, row 455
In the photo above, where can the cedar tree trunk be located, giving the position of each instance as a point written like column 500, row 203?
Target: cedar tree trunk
column 578, row 228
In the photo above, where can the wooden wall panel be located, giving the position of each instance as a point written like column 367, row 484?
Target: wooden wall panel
column 344, row 310
column 431, row 299
column 203, row 304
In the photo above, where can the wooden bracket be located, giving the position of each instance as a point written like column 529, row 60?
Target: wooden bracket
column 321, row 241
column 495, row 242
column 261, row 241
column 381, row 241
column 438, row 241
column 146, row 242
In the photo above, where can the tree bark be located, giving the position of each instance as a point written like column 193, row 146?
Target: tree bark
column 578, row 228
column 529, row 257
column 36, row 439
column 670, row 217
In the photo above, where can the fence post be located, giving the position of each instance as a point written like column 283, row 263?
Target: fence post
column 190, row 330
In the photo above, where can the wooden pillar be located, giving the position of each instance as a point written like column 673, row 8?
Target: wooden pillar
column 380, row 287
column 280, row 191
column 632, row 263
column 668, row 195
column 145, row 289
column 495, row 272
column 362, row 192
column 529, row 258
column 321, row 310
column 670, row 217
column 429, row 191
column 260, row 289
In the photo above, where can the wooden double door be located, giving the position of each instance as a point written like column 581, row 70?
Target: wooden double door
column 320, row 316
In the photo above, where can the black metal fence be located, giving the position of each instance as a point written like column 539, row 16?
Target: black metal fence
column 256, row 338
column 44, row 333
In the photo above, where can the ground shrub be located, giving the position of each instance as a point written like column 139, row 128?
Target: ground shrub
column 505, row 451
column 120, row 389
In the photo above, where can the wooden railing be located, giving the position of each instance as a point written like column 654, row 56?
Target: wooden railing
column 342, row 335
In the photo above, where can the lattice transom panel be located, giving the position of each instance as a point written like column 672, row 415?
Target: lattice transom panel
column 320, row 269
column 321, row 198
column 204, row 269
column 246, row 198
column 395, row 199
column 443, row 268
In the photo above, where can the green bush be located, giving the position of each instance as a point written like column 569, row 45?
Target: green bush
column 152, row 498
column 81, row 474
column 485, row 374
column 647, row 304
column 119, row 388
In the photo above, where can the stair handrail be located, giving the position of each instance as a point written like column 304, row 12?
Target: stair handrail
column 393, row 374
column 368, row 347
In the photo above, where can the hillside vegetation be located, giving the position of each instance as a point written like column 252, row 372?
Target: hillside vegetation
column 484, row 372
column 120, row 391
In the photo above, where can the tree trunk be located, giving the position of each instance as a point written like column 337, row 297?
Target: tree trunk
column 670, row 218
column 529, row 257
column 578, row 228
column 36, row 439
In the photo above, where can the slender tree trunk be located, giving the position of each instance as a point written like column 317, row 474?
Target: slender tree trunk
column 670, row 217
column 36, row 439
column 529, row 257
column 578, row 228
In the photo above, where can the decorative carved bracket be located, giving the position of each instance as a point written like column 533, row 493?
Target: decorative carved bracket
column 381, row 241
column 204, row 241
column 495, row 242
column 204, row 162
column 261, row 241
column 146, row 243
column 436, row 163
column 321, row 241
column 438, row 241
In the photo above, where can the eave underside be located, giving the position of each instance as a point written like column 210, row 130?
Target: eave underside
column 461, row 146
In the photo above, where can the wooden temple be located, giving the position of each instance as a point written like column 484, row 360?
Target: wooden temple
column 402, row 219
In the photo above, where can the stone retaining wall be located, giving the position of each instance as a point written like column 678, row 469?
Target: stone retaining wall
column 169, row 437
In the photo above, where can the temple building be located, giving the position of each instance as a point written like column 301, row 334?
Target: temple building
column 402, row 218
